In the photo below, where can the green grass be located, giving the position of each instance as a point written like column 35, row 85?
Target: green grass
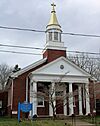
column 14, row 122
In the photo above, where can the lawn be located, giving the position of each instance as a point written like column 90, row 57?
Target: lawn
column 14, row 122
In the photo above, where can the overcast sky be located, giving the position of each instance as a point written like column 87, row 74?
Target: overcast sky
column 77, row 16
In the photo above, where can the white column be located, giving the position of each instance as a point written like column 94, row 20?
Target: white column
column 31, row 97
column 52, row 91
column 80, row 99
column 87, row 99
column 71, row 110
column 65, row 103
column 34, row 98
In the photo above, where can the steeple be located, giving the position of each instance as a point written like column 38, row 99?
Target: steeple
column 53, row 19
column 54, row 47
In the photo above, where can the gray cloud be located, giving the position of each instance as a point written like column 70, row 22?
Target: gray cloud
column 73, row 15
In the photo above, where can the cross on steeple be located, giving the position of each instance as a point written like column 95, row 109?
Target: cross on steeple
column 53, row 7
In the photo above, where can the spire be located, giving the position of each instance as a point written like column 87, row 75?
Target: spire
column 53, row 19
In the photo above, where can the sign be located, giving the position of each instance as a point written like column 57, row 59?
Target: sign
column 24, row 107
column 14, row 112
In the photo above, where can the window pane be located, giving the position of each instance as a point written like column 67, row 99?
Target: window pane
column 40, row 101
column 50, row 36
column 60, row 36
column 55, row 35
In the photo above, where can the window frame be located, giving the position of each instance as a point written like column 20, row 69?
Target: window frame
column 42, row 100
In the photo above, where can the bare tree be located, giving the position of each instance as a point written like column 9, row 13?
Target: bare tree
column 55, row 92
column 5, row 71
column 89, row 64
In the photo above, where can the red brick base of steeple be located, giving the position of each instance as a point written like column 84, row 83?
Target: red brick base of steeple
column 51, row 54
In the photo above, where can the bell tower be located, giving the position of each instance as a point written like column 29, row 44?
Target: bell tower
column 54, row 47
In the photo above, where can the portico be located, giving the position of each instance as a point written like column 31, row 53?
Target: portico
column 72, row 99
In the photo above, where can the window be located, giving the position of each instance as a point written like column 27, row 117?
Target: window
column 59, row 93
column 55, row 35
column 60, row 36
column 50, row 36
column 0, row 104
column 40, row 101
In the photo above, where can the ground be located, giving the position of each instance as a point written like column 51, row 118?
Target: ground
column 5, row 121
column 47, row 122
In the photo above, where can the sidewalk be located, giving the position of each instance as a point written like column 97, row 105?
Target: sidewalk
column 80, row 123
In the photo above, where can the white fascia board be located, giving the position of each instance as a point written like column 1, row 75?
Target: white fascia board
column 27, row 68
column 79, row 68
column 57, row 78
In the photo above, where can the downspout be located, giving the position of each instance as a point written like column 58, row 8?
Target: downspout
column 12, row 86
column 27, row 87
column 11, row 95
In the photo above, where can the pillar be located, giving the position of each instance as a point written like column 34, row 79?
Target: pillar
column 52, row 96
column 87, row 99
column 34, row 98
column 65, row 103
column 31, row 98
column 71, row 110
column 80, row 99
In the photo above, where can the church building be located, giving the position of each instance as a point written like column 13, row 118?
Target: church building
column 52, row 82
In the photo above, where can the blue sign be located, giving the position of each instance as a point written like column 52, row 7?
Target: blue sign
column 24, row 107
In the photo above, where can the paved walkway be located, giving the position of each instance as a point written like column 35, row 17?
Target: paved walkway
column 80, row 123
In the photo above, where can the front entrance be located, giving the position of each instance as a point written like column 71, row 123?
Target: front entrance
column 59, row 107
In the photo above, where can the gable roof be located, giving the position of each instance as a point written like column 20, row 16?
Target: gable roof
column 29, row 67
column 54, row 68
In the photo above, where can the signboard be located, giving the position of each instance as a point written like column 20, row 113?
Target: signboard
column 24, row 107
column 14, row 112
column 0, row 104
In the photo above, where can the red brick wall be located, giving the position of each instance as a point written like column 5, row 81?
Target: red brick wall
column 43, row 110
column 76, row 99
column 91, row 95
column 97, row 90
column 19, row 88
column 53, row 54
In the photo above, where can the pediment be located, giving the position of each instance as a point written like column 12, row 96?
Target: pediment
column 61, row 66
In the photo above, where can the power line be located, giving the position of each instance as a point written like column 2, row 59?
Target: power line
column 38, row 48
column 65, row 33
column 24, row 53
column 7, row 51
column 18, row 46
column 92, row 53
column 82, row 35
column 20, row 29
